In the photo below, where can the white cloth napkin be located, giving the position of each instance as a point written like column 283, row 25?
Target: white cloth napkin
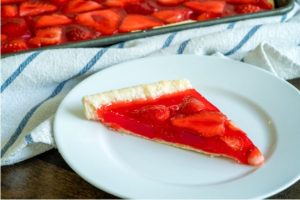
column 33, row 84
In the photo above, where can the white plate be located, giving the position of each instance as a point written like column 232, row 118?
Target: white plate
column 267, row 108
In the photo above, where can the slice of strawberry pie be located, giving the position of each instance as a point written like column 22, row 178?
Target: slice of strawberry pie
column 174, row 113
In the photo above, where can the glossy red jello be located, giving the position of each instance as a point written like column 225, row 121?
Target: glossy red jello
column 184, row 119
column 27, row 24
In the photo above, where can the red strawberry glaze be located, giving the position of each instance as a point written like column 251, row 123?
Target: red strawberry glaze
column 24, row 19
column 154, row 119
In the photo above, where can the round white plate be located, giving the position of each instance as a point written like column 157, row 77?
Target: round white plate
column 267, row 108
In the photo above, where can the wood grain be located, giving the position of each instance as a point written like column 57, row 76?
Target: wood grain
column 47, row 176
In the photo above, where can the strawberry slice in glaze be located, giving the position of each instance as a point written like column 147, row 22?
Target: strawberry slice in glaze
column 206, row 6
column 14, row 27
column 47, row 36
column 9, row 11
column 205, row 123
column 13, row 46
column 11, row 1
column 173, row 15
column 170, row 2
column 79, row 6
column 155, row 113
column 120, row 3
column 52, row 20
column 77, row 33
column 134, row 22
column 247, row 8
column 144, row 8
column 207, row 16
column 30, row 8
column 104, row 21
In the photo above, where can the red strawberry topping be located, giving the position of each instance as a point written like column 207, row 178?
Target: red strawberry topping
column 170, row 2
column 153, row 112
column 14, row 27
column 247, row 8
column 78, row 6
column 11, row 1
column 145, row 8
column 47, row 36
column 104, row 21
column 173, row 15
column 191, row 105
column 52, row 20
column 233, row 142
column 207, row 16
column 138, row 22
column 13, row 46
column 120, row 3
column 9, row 11
column 30, row 8
column 78, row 33
column 3, row 37
column 205, row 123
column 242, row 1
column 206, row 6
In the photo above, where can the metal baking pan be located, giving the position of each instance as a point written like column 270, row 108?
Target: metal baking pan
column 281, row 7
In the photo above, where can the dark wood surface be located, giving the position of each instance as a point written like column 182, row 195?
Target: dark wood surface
column 47, row 176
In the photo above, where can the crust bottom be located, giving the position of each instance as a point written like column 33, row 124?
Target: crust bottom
column 181, row 146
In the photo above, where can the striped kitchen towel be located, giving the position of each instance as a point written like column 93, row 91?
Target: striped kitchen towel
column 33, row 84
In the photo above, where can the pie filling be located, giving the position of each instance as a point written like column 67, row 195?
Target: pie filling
column 184, row 119
column 30, row 24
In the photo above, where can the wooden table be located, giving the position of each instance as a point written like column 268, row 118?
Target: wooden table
column 48, row 176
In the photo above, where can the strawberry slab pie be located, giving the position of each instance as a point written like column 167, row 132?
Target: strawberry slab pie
column 173, row 113
column 29, row 24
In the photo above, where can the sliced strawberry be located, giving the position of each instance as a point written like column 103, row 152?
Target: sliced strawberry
column 3, row 38
column 78, row 6
column 170, row 2
column 59, row 1
column 206, row 6
column 104, row 21
column 234, row 143
column 47, row 36
column 138, row 22
column 242, row 1
column 247, row 8
column 191, row 105
column 145, row 8
column 205, row 123
column 30, row 8
column 265, row 4
column 77, row 33
column 9, row 11
column 14, row 27
column 232, row 126
column 120, row 3
column 207, row 16
column 153, row 113
column 173, row 15
column 11, row 1
column 52, row 20
column 13, row 46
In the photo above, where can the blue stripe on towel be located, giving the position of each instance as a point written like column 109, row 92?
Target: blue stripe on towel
column 169, row 40
column 55, row 92
column 19, row 70
column 244, row 40
column 283, row 18
column 121, row 45
column 231, row 25
column 182, row 46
